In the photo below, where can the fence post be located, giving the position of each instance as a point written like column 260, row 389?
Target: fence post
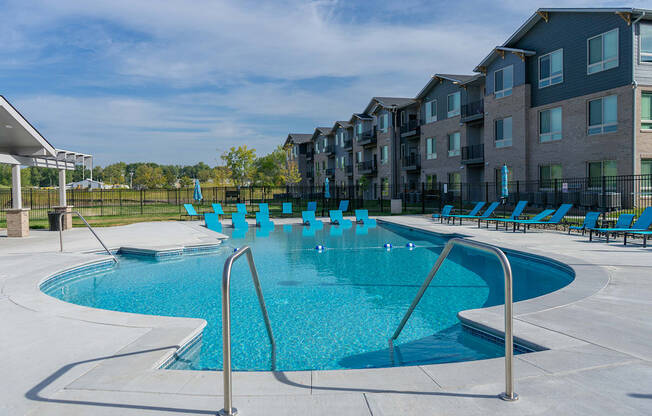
column 604, row 194
column 518, row 191
column 101, row 202
column 556, row 191
column 423, row 198
column 141, row 201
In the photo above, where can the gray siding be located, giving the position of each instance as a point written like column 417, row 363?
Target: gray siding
column 510, row 59
column 570, row 31
column 440, row 93
column 642, row 71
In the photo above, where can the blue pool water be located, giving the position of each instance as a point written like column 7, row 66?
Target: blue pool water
column 329, row 310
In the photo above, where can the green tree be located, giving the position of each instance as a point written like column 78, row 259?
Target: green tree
column 240, row 162
column 290, row 173
column 268, row 168
column 185, row 182
column 147, row 176
column 115, row 173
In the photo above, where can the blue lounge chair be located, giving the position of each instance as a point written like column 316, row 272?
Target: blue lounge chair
column 485, row 215
column 643, row 234
column 445, row 213
column 473, row 213
column 241, row 208
column 556, row 218
column 213, row 222
column 344, row 205
column 287, row 208
column 590, row 221
column 263, row 207
column 642, row 224
column 362, row 217
column 312, row 206
column 538, row 217
column 309, row 219
column 624, row 221
column 337, row 218
column 217, row 208
column 238, row 220
column 262, row 220
column 518, row 210
column 190, row 211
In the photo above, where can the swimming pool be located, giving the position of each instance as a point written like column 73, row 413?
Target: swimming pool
column 333, row 309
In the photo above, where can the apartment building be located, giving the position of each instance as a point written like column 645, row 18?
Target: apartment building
column 569, row 94
column 324, row 155
column 299, row 151
column 343, row 147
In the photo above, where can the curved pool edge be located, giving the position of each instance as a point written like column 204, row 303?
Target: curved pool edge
column 168, row 334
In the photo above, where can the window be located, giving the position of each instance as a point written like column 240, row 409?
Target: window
column 431, row 182
column 454, row 144
column 383, row 122
column 325, row 144
column 602, row 51
column 504, row 81
column 384, row 183
column 431, row 150
column 551, row 68
column 402, row 117
column 503, row 132
column 431, row 111
column 646, row 43
column 548, row 174
column 646, row 166
column 359, row 156
column 603, row 115
column 384, row 155
column 596, row 170
column 646, row 111
column 454, row 181
column 323, row 165
column 454, row 104
column 358, row 128
column 550, row 125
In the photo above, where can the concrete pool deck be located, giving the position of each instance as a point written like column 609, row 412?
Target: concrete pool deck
column 60, row 358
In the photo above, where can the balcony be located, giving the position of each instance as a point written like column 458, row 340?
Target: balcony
column 330, row 172
column 472, row 111
column 412, row 162
column 410, row 129
column 349, row 170
column 367, row 138
column 473, row 154
column 310, row 174
column 367, row 167
column 310, row 154
column 329, row 150
column 348, row 145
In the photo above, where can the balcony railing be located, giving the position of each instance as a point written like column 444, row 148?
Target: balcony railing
column 349, row 169
column 367, row 137
column 330, row 172
column 411, row 128
column 348, row 144
column 310, row 154
column 412, row 161
column 473, row 110
column 473, row 154
column 330, row 149
column 310, row 174
column 366, row 167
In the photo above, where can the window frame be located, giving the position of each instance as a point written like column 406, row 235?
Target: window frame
column 551, row 134
column 602, row 125
column 646, row 125
column 384, row 155
column 430, row 118
column 433, row 147
column 454, row 113
column 640, row 45
column 457, row 151
column 550, row 77
column 505, row 92
column 504, row 141
column 549, row 166
column 603, row 61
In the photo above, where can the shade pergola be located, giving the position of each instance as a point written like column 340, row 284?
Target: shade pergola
column 22, row 145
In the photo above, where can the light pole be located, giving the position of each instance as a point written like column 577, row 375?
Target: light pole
column 131, row 180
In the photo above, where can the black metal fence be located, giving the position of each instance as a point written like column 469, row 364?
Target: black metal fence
column 609, row 195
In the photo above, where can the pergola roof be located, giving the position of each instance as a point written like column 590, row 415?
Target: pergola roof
column 22, row 144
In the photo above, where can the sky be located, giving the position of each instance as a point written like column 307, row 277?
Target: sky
column 179, row 82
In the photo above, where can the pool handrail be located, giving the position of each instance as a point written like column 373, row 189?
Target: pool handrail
column 88, row 226
column 508, row 394
column 228, row 409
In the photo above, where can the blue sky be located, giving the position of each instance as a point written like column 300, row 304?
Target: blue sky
column 174, row 81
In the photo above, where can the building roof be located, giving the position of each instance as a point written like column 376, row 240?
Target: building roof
column 298, row 138
column 455, row 79
column 629, row 14
column 22, row 144
column 325, row 131
column 361, row 116
column 343, row 124
column 387, row 102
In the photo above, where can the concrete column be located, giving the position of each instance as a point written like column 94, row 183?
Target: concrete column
column 62, row 188
column 15, row 187
column 17, row 216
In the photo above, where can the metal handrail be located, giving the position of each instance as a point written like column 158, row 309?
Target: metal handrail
column 229, row 410
column 509, row 394
column 61, row 214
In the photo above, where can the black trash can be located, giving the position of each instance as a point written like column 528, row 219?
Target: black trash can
column 53, row 220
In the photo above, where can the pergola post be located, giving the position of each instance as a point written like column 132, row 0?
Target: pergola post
column 63, row 207
column 17, row 216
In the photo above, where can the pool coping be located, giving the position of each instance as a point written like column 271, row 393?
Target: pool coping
column 126, row 372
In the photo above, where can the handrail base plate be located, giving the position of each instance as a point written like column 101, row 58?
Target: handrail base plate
column 505, row 397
